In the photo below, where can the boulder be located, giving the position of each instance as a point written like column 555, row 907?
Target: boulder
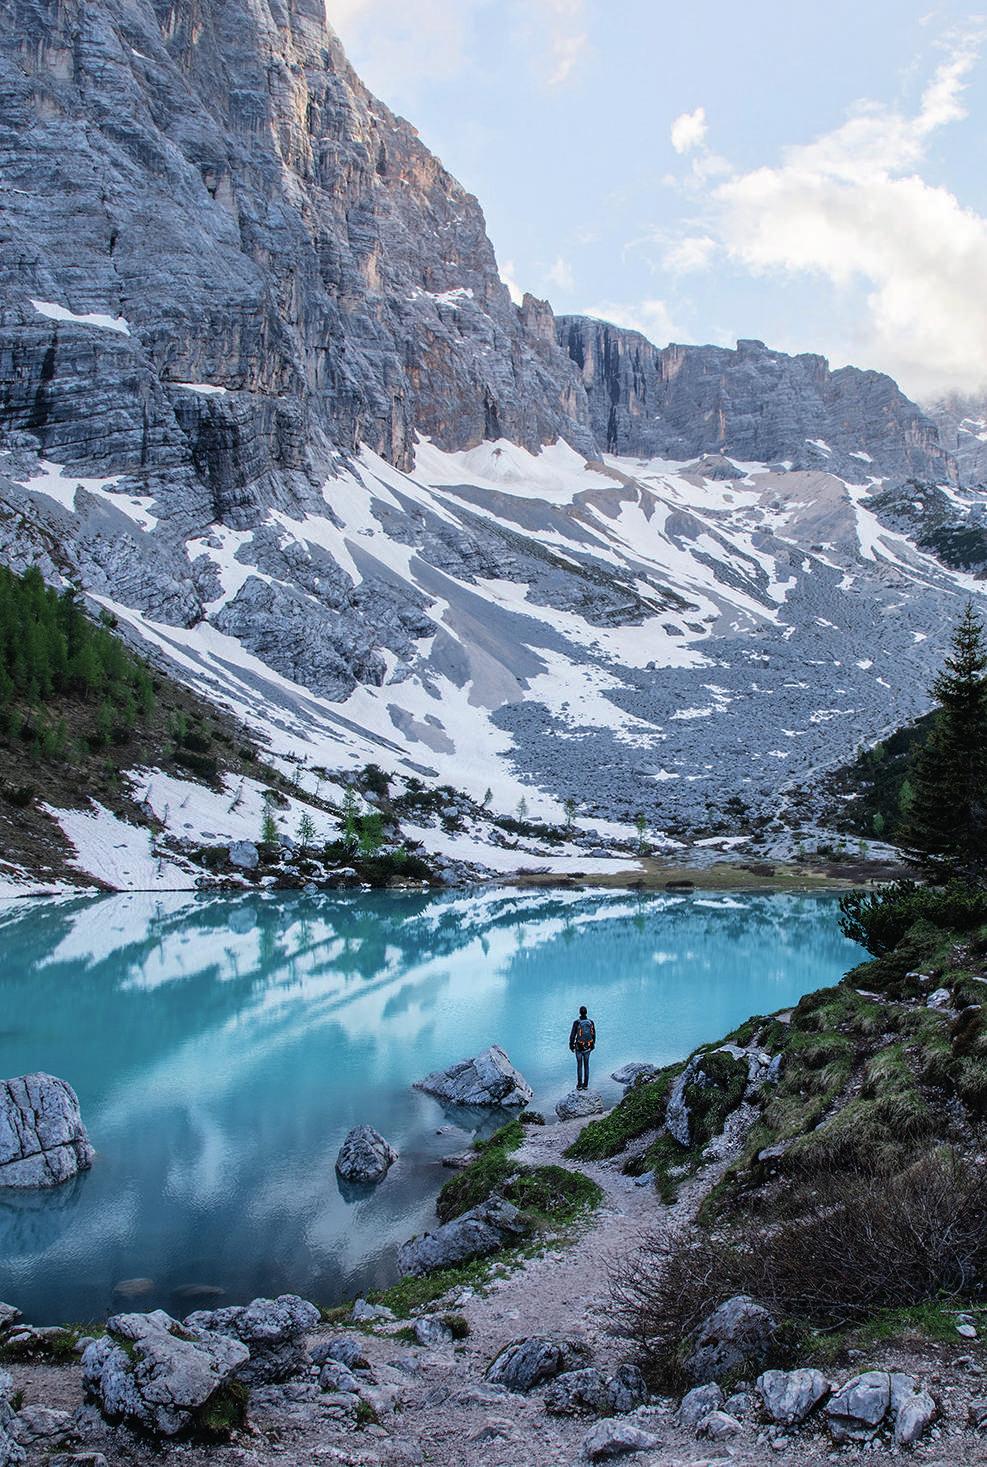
column 676, row 1110
column 525, row 1363
column 11, row 1451
column 9, row 1316
column 579, row 1103
column 737, row 1334
column 338, row 1379
column 627, row 1389
column 273, row 1330
column 41, row 1427
column 578, row 1393
column 699, row 1402
column 637, row 1073
column 486, row 1079
column 790, row 1395
column 365, row 1156
column 148, row 1372
column 42, row 1139
column 244, row 853
column 433, row 1333
column 912, row 1408
column 718, row 1426
column 343, row 1350
column 478, row 1232
column 616, row 1437
column 857, row 1409
column 364, row 1313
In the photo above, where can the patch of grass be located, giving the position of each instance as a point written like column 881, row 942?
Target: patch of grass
column 491, row 1172
column 410, row 1294
column 929, row 1322
column 57, row 1348
column 336, row 1315
column 225, row 1410
column 366, row 1415
column 457, row 1324
column 642, row 1109
column 552, row 1194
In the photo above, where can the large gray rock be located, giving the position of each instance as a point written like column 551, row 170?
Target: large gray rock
column 616, row 1437
column 578, row 1393
column 244, row 853
column 11, row 1451
column 637, row 1073
column 699, row 1402
column 486, row 1079
column 480, row 1231
column 526, row 1363
column 273, row 1330
column 146, row 1372
column 790, row 1395
column 913, row 1409
column 857, row 1409
column 579, row 1103
column 43, row 1427
column 627, row 1389
column 739, row 1333
column 9, row 1316
column 348, row 1350
column 365, row 1156
column 42, row 1139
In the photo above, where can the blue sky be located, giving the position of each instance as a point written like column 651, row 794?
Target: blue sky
column 813, row 174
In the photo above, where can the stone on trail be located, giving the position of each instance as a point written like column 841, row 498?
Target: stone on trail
column 718, row 1426
column 857, row 1409
column 790, row 1395
column 364, row 1313
column 365, row 1156
column 273, row 1330
column 486, row 1079
column 476, row 1233
column 699, row 1402
column 912, row 1408
column 627, row 1389
column 338, row 1378
column 146, row 1373
column 578, row 1393
column 41, row 1427
column 579, row 1103
column 343, row 1349
column 737, row 1334
column 42, row 1139
column 525, row 1363
column 616, row 1437
column 433, row 1333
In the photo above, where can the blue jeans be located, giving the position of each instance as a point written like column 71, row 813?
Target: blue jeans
column 582, row 1067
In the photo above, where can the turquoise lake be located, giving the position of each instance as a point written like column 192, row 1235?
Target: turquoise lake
column 222, row 1046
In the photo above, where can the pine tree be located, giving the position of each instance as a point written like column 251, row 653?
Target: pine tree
column 945, row 827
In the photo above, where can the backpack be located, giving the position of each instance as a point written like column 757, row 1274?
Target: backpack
column 584, row 1033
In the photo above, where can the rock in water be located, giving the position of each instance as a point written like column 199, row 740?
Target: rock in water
column 486, row 1079
column 525, row 1363
column 146, row 1372
column 42, row 1139
column 482, row 1230
column 579, row 1103
column 365, row 1156
column 737, row 1334
column 273, row 1330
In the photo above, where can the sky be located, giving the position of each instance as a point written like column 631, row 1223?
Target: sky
column 812, row 173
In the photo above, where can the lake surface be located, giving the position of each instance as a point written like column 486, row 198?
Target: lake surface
column 221, row 1047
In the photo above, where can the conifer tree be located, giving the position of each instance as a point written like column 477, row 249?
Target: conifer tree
column 945, row 828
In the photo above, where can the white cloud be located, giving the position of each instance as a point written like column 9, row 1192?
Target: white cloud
column 688, row 131
column 651, row 317
column 560, row 274
column 507, row 275
column 694, row 252
column 851, row 207
column 392, row 41
column 555, row 36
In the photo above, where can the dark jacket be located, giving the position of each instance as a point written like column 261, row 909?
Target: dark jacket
column 574, row 1035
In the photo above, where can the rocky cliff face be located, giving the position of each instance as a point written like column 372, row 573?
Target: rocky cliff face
column 216, row 189
column 752, row 403
column 962, row 424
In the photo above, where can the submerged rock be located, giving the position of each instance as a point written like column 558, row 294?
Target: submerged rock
column 486, row 1079
column 42, row 1139
column 148, row 1372
column 365, row 1156
column 579, row 1103
column 482, row 1230
column 738, row 1333
column 273, row 1330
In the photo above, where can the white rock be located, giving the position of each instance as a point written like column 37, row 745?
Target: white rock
column 790, row 1395
column 616, row 1437
column 579, row 1103
column 486, row 1079
column 42, row 1139
column 365, row 1156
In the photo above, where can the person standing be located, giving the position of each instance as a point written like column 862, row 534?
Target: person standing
column 582, row 1042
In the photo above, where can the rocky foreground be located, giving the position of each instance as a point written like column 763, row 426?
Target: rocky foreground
column 523, row 1370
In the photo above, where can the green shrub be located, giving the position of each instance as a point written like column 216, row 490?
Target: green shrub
column 880, row 920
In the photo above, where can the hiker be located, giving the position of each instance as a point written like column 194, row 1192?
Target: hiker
column 582, row 1040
